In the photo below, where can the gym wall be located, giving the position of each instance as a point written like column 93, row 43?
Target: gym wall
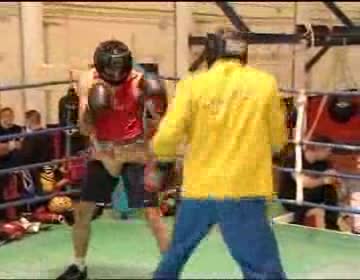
column 73, row 29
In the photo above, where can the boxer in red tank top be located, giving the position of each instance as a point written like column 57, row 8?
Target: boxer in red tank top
column 124, row 122
column 114, row 112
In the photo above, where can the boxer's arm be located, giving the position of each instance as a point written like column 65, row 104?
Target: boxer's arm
column 86, row 80
column 154, row 88
column 174, row 125
column 86, row 123
column 276, row 119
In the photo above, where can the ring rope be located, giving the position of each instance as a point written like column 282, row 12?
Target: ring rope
column 36, row 85
column 316, row 205
column 39, row 132
column 169, row 78
column 36, row 165
column 36, row 199
column 332, row 93
column 319, row 173
column 354, row 148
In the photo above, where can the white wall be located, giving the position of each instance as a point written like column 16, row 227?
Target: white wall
column 73, row 29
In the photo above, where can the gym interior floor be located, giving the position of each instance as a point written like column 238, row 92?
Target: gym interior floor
column 126, row 249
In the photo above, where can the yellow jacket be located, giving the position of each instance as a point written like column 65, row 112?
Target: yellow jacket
column 232, row 117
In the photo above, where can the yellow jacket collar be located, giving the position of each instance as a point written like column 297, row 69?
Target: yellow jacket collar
column 228, row 62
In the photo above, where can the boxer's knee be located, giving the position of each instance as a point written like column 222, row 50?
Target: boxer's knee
column 84, row 213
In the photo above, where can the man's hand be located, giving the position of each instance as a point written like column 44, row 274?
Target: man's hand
column 100, row 98
column 13, row 145
column 18, row 144
column 328, row 179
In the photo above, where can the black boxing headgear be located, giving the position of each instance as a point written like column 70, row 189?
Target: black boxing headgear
column 228, row 44
column 113, row 61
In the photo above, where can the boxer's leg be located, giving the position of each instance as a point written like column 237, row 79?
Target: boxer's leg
column 158, row 227
column 133, row 176
column 249, row 238
column 194, row 220
column 97, row 188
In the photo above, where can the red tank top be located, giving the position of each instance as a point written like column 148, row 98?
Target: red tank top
column 124, row 122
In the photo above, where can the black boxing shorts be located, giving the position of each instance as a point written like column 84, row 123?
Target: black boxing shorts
column 133, row 178
column 98, row 185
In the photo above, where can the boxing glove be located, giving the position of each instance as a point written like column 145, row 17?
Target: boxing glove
column 100, row 98
column 342, row 108
column 157, row 175
column 48, row 218
column 12, row 230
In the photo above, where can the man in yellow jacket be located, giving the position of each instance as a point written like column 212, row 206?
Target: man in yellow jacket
column 233, row 120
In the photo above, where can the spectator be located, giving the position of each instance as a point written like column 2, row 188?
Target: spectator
column 7, row 148
column 7, row 127
column 317, row 189
column 35, row 148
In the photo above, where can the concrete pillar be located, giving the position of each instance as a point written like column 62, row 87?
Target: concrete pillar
column 183, row 27
column 32, row 37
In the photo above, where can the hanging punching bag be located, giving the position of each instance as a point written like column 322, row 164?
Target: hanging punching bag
column 341, row 108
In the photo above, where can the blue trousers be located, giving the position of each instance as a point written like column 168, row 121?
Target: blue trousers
column 245, row 230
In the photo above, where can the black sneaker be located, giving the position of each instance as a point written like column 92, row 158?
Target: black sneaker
column 73, row 273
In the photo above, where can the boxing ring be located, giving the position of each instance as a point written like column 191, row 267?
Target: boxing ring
column 306, row 252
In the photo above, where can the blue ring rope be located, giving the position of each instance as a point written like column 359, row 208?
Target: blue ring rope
column 319, row 173
column 35, row 199
column 35, row 165
column 38, row 132
column 316, row 205
column 35, row 85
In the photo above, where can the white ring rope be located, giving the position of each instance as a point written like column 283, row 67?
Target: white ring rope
column 300, row 104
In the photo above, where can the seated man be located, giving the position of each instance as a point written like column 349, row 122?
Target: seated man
column 317, row 189
column 7, row 127
column 35, row 148
column 7, row 147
